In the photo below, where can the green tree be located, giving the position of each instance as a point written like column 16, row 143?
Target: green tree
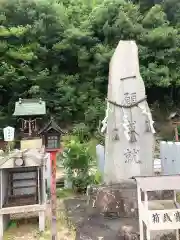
column 60, row 51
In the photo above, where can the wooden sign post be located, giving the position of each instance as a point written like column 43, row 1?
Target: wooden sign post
column 176, row 131
column 8, row 136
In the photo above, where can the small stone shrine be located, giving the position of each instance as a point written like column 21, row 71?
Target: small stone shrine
column 22, row 185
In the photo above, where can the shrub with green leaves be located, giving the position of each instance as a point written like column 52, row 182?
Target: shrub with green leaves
column 76, row 159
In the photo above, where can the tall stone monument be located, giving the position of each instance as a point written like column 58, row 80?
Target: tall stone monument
column 129, row 144
column 128, row 123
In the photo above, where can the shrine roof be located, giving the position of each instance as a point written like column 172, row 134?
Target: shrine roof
column 51, row 125
column 30, row 107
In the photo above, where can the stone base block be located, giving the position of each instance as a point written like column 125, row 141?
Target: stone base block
column 118, row 199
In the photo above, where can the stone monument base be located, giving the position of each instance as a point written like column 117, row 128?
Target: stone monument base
column 114, row 200
column 118, row 203
column 119, row 199
column 109, row 212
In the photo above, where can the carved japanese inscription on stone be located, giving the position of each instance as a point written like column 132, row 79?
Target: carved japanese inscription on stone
column 132, row 155
column 129, row 99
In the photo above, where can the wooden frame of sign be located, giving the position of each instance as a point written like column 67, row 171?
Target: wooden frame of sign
column 176, row 131
column 158, row 214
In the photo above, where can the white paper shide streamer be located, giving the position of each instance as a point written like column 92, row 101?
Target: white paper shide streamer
column 126, row 125
column 148, row 115
column 104, row 122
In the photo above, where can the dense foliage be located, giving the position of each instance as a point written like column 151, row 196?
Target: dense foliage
column 61, row 51
column 79, row 162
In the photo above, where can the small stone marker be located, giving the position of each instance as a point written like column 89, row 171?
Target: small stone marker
column 129, row 133
column 100, row 158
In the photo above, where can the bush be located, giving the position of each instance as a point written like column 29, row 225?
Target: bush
column 82, row 131
column 77, row 160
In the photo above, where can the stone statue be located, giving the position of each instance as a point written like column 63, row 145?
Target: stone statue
column 128, row 123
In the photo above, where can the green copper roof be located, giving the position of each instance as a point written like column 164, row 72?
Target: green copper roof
column 30, row 107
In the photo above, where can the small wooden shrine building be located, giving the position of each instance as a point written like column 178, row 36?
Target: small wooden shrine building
column 29, row 113
column 34, row 134
column 51, row 135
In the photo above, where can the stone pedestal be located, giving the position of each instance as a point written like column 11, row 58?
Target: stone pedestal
column 116, row 200
column 115, row 205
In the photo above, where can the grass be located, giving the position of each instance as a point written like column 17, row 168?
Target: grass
column 30, row 231
column 64, row 193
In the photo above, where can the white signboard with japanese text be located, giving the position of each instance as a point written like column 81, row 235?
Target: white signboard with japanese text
column 8, row 134
column 164, row 219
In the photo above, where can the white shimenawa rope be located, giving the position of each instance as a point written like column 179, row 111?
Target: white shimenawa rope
column 148, row 114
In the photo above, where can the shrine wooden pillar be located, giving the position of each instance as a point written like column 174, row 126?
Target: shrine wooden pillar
column 176, row 131
column 53, row 154
column 176, row 134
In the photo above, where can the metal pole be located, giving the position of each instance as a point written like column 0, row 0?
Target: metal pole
column 53, row 196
